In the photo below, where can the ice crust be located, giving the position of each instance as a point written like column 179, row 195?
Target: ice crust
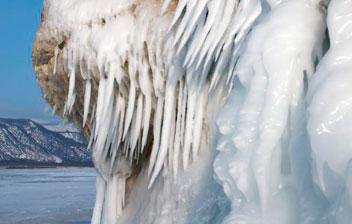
column 280, row 147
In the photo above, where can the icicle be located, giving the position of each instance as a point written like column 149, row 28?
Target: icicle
column 122, row 105
column 130, row 108
column 183, row 112
column 146, row 119
column 99, row 201
column 111, row 200
column 130, row 137
column 138, row 127
column 120, row 195
column 71, row 94
column 191, row 106
column 100, row 104
column 72, row 75
column 123, row 192
column 56, row 53
column 87, row 95
column 198, row 123
column 165, row 135
column 172, row 137
column 156, row 133
column 147, row 88
column 116, row 133
column 91, row 138
column 178, row 136
column 109, row 92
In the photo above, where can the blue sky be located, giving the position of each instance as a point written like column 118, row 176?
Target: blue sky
column 20, row 96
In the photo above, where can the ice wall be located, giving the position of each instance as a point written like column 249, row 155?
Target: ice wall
column 269, row 162
column 330, row 116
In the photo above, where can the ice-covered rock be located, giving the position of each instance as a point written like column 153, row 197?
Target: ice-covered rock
column 147, row 79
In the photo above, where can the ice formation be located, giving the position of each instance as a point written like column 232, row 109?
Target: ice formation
column 156, row 76
column 264, row 141
column 265, row 154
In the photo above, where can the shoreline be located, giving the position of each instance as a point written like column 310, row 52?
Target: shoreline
column 8, row 166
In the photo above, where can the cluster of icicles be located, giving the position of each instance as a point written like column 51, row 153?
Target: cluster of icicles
column 154, row 81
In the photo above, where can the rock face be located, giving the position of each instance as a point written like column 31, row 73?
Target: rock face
column 55, row 87
column 24, row 141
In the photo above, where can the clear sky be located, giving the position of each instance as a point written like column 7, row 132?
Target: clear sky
column 20, row 95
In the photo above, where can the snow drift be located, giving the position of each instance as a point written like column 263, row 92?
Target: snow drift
column 203, row 111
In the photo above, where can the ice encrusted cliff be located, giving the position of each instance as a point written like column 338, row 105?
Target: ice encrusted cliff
column 206, row 111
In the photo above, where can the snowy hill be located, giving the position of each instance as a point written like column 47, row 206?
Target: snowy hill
column 25, row 142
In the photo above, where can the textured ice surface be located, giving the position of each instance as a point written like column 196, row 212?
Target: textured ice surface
column 330, row 116
column 272, row 168
column 52, row 196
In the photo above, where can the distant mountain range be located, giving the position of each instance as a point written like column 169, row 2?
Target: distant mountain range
column 24, row 142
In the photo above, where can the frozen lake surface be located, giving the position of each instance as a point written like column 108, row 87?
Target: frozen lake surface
column 50, row 196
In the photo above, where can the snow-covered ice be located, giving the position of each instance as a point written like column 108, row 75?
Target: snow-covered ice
column 51, row 196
